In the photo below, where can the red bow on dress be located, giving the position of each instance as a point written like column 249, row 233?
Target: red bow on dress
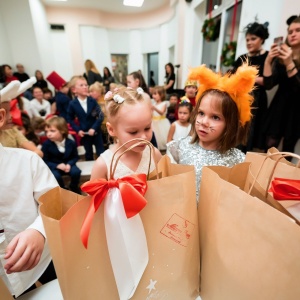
column 132, row 189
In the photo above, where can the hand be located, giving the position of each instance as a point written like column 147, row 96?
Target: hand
column 91, row 132
column 81, row 133
column 285, row 53
column 259, row 80
column 274, row 52
column 67, row 168
column 24, row 251
column 61, row 167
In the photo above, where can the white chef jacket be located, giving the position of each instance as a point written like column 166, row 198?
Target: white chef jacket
column 24, row 177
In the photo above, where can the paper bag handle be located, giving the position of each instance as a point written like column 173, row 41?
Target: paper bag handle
column 140, row 142
column 283, row 155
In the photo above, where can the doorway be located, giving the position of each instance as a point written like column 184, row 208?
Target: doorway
column 152, row 69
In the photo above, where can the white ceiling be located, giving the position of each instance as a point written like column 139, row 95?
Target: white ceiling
column 112, row 6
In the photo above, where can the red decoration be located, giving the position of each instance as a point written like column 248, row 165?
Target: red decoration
column 132, row 189
column 233, row 20
column 285, row 189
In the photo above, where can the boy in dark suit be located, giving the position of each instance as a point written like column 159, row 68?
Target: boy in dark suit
column 88, row 114
column 60, row 153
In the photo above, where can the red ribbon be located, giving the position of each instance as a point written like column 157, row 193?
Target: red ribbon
column 132, row 189
column 233, row 20
column 285, row 189
column 210, row 8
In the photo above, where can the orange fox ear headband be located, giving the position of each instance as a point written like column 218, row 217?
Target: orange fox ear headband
column 238, row 86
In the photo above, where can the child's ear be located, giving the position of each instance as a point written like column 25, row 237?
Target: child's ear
column 110, row 129
column 2, row 117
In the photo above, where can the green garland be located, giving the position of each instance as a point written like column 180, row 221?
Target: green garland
column 211, row 29
column 228, row 54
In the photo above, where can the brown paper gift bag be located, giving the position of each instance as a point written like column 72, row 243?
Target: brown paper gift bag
column 249, row 250
column 170, row 223
column 263, row 169
column 5, row 293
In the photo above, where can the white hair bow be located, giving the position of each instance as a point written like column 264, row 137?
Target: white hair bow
column 118, row 99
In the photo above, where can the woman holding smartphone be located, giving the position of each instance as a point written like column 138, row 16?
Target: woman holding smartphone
column 256, row 34
column 282, row 68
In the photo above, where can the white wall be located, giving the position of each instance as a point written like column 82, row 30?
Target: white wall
column 19, row 44
column 62, row 63
column 5, row 54
column 265, row 12
column 66, row 51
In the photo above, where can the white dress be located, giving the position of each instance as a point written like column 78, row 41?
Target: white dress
column 122, row 170
column 161, row 126
column 181, row 131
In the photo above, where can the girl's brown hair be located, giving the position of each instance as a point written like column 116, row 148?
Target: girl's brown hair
column 234, row 133
column 60, row 123
column 296, row 53
column 160, row 91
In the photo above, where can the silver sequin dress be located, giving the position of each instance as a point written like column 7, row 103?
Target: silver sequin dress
column 183, row 152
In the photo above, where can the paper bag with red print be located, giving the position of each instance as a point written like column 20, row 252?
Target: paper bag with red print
column 170, row 224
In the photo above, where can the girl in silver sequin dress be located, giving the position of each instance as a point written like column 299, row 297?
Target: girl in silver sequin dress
column 219, row 123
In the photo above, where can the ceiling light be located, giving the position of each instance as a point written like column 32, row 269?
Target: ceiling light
column 137, row 3
column 216, row 6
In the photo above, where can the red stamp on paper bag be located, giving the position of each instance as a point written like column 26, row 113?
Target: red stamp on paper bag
column 178, row 229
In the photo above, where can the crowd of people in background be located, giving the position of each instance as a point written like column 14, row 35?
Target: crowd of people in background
column 80, row 101
column 209, row 125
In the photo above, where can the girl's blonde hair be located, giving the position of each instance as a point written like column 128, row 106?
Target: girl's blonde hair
column 90, row 66
column 97, row 86
column 73, row 81
column 160, row 91
column 122, row 95
column 60, row 123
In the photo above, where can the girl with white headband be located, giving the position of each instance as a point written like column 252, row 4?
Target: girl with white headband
column 129, row 116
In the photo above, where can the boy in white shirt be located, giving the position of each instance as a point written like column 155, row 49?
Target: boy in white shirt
column 24, row 255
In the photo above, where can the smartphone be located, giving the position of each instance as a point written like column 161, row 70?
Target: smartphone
column 279, row 41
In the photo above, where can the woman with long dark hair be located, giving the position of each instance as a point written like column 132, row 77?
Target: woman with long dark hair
column 282, row 67
column 107, row 78
column 169, row 79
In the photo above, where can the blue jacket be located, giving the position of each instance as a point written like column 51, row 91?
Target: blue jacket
column 62, row 104
column 92, row 119
column 52, row 157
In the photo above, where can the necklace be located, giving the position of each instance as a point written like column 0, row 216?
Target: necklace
column 256, row 53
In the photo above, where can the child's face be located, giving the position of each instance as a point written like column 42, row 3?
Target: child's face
column 53, row 134
column 173, row 100
column 95, row 94
column 183, row 114
column 131, row 82
column 156, row 96
column 210, row 122
column 47, row 96
column 65, row 89
column 81, row 88
column 132, row 121
column 190, row 91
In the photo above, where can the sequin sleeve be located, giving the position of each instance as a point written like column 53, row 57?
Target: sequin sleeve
column 172, row 151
